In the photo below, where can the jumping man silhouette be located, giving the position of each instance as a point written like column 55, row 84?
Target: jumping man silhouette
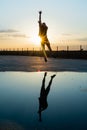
column 43, row 35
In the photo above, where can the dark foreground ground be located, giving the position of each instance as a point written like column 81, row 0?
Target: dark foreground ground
column 29, row 63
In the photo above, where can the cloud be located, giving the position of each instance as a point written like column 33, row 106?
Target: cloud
column 8, row 31
column 66, row 34
column 84, row 39
column 11, row 33
column 17, row 35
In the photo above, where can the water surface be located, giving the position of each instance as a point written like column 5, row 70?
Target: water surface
column 67, row 101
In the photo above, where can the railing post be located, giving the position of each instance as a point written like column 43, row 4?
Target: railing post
column 67, row 48
column 57, row 48
column 81, row 48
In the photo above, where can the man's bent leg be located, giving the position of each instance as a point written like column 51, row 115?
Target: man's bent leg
column 49, row 47
column 46, row 42
column 44, row 53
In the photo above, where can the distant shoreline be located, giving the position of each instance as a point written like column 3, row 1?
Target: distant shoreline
column 55, row 54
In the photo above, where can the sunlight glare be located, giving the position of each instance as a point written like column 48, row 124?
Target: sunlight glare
column 35, row 40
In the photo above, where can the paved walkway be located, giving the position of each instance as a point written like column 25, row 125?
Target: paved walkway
column 26, row 63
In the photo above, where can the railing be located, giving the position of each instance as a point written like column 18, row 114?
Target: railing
column 79, row 53
column 54, row 48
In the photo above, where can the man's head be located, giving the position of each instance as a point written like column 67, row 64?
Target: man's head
column 44, row 24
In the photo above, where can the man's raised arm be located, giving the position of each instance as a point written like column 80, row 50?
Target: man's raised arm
column 40, row 12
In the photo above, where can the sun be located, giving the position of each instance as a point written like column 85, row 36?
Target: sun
column 35, row 40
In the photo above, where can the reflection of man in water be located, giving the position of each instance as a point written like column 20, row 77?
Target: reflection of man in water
column 43, row 33
column 43, row 95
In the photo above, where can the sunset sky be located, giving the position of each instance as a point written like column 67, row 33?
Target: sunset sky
column 66, row 21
